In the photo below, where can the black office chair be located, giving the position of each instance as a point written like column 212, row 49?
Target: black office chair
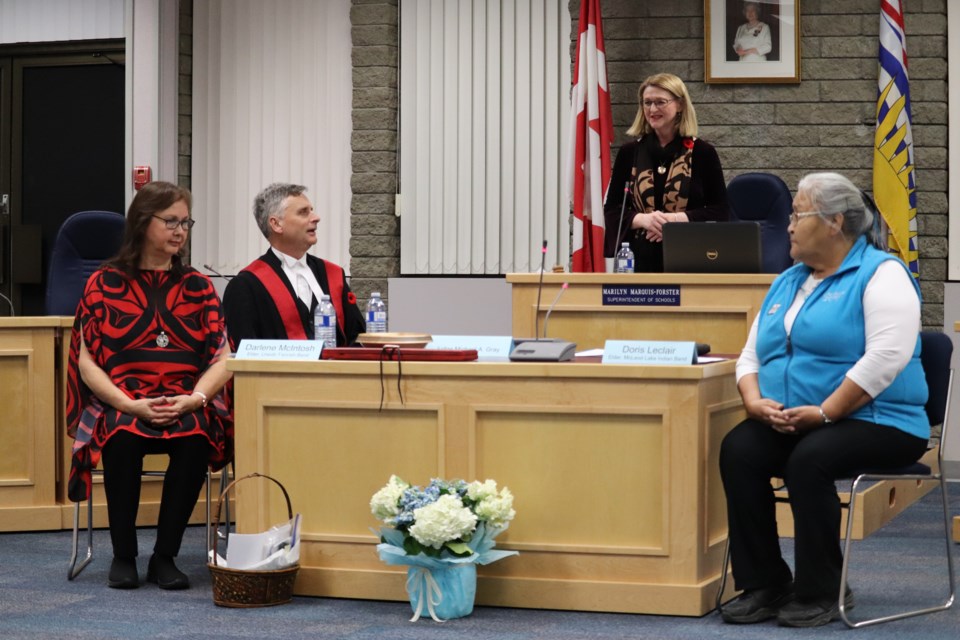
column 85, row 241
column 935, row 352
column 764, row 198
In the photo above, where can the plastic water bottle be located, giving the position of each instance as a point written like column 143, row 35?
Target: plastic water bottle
column 325, row 323
column 376, row 314
column 624, row 259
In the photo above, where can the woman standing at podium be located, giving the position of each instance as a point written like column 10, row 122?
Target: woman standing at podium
column 667, row 174
column 147, row 364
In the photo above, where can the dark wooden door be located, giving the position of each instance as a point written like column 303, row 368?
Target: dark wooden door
column 66, row 133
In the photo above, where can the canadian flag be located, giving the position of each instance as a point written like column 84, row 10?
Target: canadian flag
column 591, row 133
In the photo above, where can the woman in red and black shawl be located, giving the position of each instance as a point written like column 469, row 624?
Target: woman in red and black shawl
column 146, row 375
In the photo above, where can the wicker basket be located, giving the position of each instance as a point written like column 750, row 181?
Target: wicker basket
column 240, row 588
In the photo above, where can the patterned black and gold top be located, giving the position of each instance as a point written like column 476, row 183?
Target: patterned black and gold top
column 685, row 175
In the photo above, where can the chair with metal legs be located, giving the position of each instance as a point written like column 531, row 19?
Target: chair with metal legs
column 76, row 568
column 935, row 353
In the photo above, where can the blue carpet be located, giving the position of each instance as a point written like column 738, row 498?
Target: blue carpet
column 901, row 565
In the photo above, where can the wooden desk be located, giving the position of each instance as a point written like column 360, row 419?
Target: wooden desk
column 614, row 469
column 28, row 460
column 715, row 309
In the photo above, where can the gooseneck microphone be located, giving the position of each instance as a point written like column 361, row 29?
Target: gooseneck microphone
column 623, row 207
column 536, row 320
column 546, row 318
column 9, row 302
column 215, row 272
column 543, row 349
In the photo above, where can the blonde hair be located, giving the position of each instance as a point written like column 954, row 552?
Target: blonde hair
column 687, row 118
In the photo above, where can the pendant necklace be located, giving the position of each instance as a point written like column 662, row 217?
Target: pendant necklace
column 162, row 339
column 662, row 169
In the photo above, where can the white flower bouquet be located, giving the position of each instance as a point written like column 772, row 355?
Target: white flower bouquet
column 442, row 532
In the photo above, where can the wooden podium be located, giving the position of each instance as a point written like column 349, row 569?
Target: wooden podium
column 711, row 308
column 614, row 468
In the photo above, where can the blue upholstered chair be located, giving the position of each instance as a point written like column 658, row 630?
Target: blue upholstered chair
column 935, row 352
column 764, row 198
column 85, row 241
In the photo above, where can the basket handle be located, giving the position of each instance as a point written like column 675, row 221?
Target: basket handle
column 216, row 516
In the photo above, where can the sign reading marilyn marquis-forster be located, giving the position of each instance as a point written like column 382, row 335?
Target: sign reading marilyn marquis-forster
column 646, row 295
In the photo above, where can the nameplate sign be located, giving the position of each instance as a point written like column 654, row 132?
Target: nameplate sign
column 279, row 350
column 649, row 352
column 662, row 295
column 487, row 347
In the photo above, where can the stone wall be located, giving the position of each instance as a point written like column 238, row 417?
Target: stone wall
column 824, row 123
column 185, row 92
column 185, row 100
column 374, row 227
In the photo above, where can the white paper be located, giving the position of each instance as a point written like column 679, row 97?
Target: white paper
column 590, row 352
column 276, row 548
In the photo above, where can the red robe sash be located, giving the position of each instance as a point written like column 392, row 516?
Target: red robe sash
column 287, row 305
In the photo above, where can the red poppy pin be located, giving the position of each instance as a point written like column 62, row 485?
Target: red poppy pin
column 688, row 143
column 352, row 299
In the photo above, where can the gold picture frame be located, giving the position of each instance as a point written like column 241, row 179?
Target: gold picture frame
column 761, row 48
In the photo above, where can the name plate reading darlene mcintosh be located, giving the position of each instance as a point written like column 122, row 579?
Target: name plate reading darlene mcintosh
column 649, row 352
column 279, row 350
column 643, row 295
column 487, row 347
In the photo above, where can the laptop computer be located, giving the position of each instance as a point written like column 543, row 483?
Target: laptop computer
column 711, row 247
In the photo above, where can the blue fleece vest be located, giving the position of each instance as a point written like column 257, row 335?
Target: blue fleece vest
column 827, row 339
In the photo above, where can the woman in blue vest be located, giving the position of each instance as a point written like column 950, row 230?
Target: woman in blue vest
column 831, row 381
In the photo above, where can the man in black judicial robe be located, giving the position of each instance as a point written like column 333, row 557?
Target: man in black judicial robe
column 269, row 298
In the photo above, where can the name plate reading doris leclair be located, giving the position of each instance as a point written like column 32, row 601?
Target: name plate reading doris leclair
column 279, row 350
column 644, row 295
column 649, row 352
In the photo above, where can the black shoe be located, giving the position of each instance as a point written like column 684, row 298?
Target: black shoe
column 813, row 613
column 123, row 574
column 757, row 605
column 165, row 574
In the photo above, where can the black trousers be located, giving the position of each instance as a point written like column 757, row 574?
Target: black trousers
column 184, row 477
column 752, row 453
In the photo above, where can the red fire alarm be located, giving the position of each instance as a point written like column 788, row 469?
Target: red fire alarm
column 141, row 176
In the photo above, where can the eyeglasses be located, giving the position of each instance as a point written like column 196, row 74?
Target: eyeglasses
column 172, row 223
column 659, row 104
column 797, row 216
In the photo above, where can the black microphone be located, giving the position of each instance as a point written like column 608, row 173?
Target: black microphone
column 623, row 206
column 215, row 272
column 536, row 321
column 9, row 302
column 546, row 318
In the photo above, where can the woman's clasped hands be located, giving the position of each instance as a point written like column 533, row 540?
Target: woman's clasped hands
column 164, row 410
column 794, row 420
column 652, row 224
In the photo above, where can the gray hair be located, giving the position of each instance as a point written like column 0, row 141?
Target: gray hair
column 832, row 193
column 756, row 5
column 267, row 203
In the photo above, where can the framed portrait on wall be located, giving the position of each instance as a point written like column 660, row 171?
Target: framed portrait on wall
column 752, row 41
